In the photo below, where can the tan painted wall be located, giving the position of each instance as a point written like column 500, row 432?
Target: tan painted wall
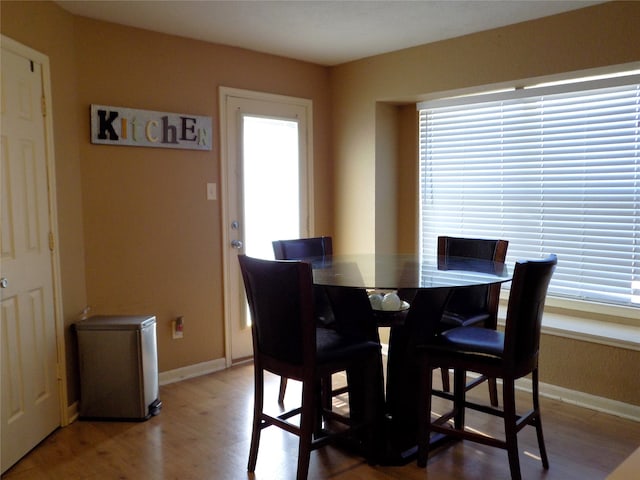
column 594, row 37
column 153, row 240
column 408, row 184
column 593, row 368
column 385, row 178
column 137, row 233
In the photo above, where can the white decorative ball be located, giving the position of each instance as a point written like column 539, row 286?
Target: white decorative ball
column 376, row 301
column 391, row 302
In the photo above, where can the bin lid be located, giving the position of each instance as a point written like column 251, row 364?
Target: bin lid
column 116, row 322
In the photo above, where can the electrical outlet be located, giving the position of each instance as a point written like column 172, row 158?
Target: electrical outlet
column 177, row 327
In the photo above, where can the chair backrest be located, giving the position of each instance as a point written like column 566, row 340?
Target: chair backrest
column 474, row 299
column 302, row 247
column 524, row 312
column 280, row 296
column 485, row 249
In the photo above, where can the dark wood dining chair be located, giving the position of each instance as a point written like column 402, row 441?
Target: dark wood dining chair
column 477, row 305
column 508, row 355
column 287, row 342
column 296, row 249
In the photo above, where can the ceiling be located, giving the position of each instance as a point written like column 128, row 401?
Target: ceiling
column 327, row 32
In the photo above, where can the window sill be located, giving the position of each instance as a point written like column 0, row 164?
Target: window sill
column 596, row 331
column 575, row 326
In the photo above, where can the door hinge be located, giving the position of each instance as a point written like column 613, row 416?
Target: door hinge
column 51, row 241
column 43, row 104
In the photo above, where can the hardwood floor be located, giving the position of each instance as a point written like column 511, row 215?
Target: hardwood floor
column 203, row 433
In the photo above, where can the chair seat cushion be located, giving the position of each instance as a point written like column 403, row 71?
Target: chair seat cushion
column 473, row 339
column 453, row 319
column 334, row 347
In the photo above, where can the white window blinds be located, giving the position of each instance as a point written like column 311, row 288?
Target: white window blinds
column 554, row 170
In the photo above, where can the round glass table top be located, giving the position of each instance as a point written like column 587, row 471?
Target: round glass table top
column 396, row 271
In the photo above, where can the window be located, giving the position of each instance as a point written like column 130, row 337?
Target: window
column 553, row 169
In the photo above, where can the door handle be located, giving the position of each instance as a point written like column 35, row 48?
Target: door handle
column 4, row 282
column 236, row 244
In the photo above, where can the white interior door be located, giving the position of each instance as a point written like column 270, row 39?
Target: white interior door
column 30, row 395
column 266, row 165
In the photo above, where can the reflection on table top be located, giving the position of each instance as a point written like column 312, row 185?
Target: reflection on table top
column 394, row 271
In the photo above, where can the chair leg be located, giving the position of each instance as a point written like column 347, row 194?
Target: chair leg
column 493, row 391
column 327, row 392
column 257, row 417
column 318, row 415
column 459, row 397
column 424, row 413
column 283, row 389
column 538, row 420
column 307, row 423
column 510, row 429
column 444, row 373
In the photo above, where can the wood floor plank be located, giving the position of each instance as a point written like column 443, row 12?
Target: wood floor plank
column 204, row 429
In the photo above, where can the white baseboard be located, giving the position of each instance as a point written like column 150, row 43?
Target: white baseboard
column 574, row 397
column 165, row 378
column 586, row 400
column 581, row 399
column 72, row 412
column 190, row 371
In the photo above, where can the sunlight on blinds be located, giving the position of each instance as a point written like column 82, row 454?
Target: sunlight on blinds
column 551, row 173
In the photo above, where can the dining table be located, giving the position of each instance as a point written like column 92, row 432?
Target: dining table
column 424, row 285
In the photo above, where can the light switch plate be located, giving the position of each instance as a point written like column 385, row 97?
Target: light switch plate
column 212, row 193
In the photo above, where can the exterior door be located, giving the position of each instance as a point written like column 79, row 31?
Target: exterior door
column 266, row 165
column 28, row 339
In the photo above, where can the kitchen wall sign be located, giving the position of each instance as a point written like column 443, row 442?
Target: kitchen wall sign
column 146, row 128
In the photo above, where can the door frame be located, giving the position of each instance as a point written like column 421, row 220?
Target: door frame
column 27, row 52
column 224, row 94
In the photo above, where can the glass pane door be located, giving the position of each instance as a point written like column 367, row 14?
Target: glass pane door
column 271, row 183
